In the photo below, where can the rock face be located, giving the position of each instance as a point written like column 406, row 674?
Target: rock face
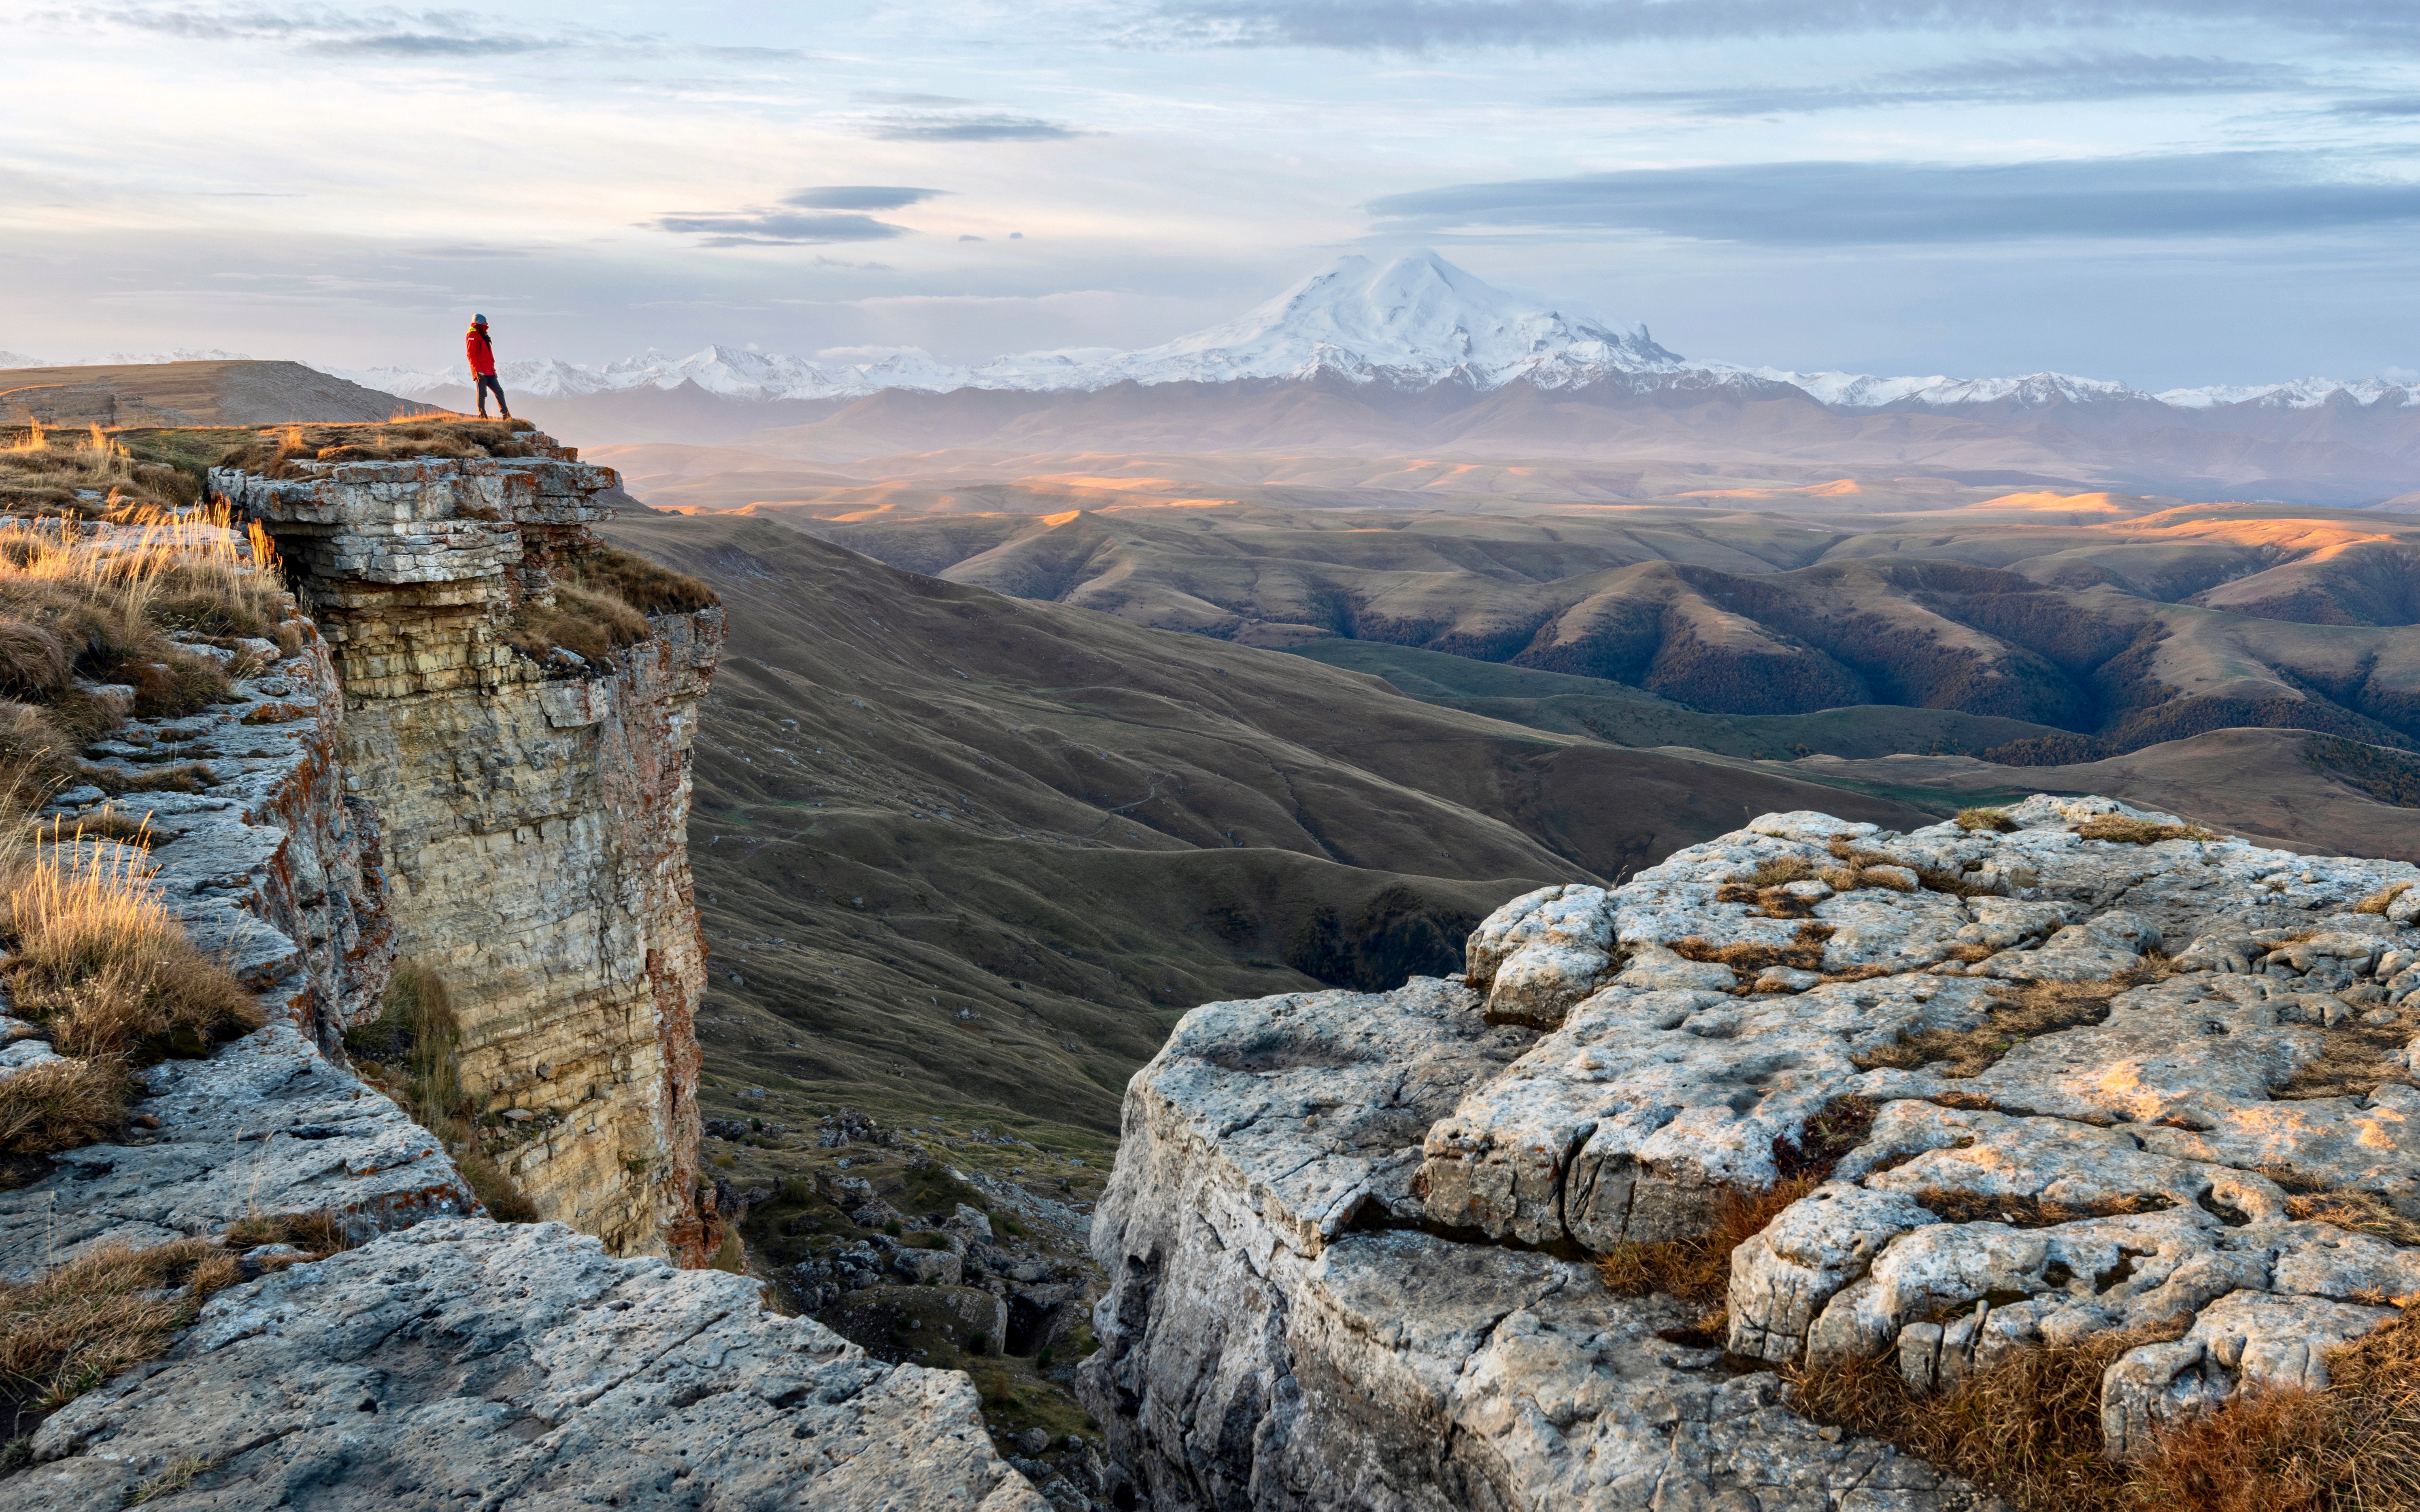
column 517, row 1366
column 2051, row 1085
column 531, row 816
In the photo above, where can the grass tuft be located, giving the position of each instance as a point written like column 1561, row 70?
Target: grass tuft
column 642, row 584
column 2025, row 1012
column 2029, row 1429
column 2127, row 830
column 62, row 1104
column 1696, row 1270
column 85, row 1321
column 1995, row 820
column 412, row 1052
column 101, row 962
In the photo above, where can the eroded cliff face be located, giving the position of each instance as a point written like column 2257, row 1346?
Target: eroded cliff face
column 531, row 817
column 2081, row 1072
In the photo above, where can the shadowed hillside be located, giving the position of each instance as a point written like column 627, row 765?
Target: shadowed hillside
column 958, row 851
column 2100, row 624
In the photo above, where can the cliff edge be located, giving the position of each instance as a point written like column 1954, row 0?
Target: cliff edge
column 531, row 809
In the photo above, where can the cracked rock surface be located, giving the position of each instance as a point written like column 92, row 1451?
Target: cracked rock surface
column 2085, row 1069
column 463, row 1363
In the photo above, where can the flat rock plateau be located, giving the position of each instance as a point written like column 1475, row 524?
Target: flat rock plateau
column 2069, row 1069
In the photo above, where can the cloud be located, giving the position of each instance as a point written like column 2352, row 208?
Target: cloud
column 389, row 31
column 2046, row 78
column 859, row 197
column 1849, row 204
column 776, row 228
column 970, row 238
column 1420, row 25
column 2390, row 108
column 958, row 128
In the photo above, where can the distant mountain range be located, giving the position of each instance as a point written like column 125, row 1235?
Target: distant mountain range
column 1410, row 324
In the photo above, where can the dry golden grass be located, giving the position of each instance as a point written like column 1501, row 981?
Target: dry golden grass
column 273, row 449
column 2029, row 1213
column 2375, row 902
column 2354, row 1060
column 2028, row 1429
column 639, row 584
column 321, row 1233
column 2130, row 832
column 2025, row 1011
column 602, row 604
column 86, row 1321
column 61, row 1104
column 171, row 1480
column 100, row 960
column 411, row 1052
column 589, row 624
column 46, row 469
column 1696, row 1270
column 2354, row 1447
column 1994, row 820
column 1803, row 953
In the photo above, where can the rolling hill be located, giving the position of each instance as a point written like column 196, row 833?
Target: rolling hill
column 959, row 851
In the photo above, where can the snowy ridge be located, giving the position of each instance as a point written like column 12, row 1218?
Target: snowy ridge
column 1862, row 390
column 1407, row 324
column 2303, row 394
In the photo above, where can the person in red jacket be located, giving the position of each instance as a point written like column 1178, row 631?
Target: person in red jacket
column 483, row 367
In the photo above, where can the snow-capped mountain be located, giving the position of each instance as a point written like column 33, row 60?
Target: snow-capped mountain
column 1409, row 323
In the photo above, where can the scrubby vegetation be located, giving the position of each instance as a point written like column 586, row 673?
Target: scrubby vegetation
column 1397, row 935
column 2383, row 775
column 2025, row 1011
column 412, row 1052
column 87, row 475
column 272, row 450
column 80, row 613
column 639, row 584
column 601, row 604
column 2128, row 830
column 1696, row 1270
column 2029, row 1429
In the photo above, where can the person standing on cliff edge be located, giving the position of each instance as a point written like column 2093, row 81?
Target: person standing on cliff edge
column 483, row 367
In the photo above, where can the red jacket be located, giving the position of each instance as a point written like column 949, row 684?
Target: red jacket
column 483, row 356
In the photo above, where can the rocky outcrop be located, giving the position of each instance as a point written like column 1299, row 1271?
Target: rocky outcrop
column 273, row 867
column 516, row 1366
column 2091, row 1071
column 532, row 814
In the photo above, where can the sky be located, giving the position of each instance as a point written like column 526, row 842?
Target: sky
column 2160, row 192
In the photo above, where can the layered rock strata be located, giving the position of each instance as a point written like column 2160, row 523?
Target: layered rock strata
column 274, row 868
column 1350, row 1235
column 468, row 1362
column 533, row 814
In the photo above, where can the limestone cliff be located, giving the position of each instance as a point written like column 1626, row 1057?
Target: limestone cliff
column 405, row 785
column 531, row 816
column 2068, row 1071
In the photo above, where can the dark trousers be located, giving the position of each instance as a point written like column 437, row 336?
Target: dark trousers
column 487, row 385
